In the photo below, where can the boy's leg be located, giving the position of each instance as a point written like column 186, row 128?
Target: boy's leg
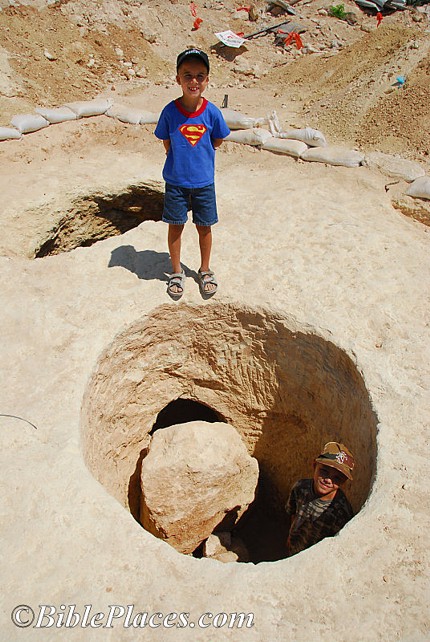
column 174, row 243
column 175, row 214
column 205, row 243
column 205, row 215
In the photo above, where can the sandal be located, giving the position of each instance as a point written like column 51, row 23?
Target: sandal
column 207, row 278
column 177, row 279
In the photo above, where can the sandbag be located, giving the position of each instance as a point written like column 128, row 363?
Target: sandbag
column 132, row 115
column 9, row 133
column 86, row 108
column 149, row 118
column 124, row 114
column 254, row 136
column 27, row 123
column 311, row 137
column 56, row 114
column 393, row 166
column 333, row 156
column 285, row 146
column 236, row 120
column 420, row 188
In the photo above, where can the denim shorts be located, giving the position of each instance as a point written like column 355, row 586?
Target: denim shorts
column 178, row 201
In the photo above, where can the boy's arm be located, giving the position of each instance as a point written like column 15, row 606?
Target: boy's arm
column 216, row 142
column 290, row 530
column 166, row 144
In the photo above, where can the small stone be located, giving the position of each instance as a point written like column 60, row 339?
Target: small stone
column 141, row 72
column 227, row 557
column 49, row 55
column 310, row 50
column 149, row 36
column 224, row 547
column 217, row 543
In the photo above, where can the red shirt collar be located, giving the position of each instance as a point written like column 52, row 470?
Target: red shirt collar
column 190, row 114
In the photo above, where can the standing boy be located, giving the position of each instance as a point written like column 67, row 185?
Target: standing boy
column 191, row 129
column 318, row 507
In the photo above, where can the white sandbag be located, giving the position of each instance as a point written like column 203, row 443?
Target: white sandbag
column 420, row 188
column 236, row 120
column 132, row 115
column 27, row 123
column 311, row 137
column 273, row 123
column 333, row 156
column 393, row 166
column 56, row 115
column 285, row 146
column 125, row 114
column 86, row 108
column 9, row 133
column 149, row 118
column 254, row 136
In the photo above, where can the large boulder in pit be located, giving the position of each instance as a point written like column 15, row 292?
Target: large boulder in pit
column 196, row 477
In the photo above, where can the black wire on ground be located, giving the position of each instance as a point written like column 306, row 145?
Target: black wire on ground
column 21, row 418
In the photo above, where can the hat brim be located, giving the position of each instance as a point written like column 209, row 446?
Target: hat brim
column 334, row 464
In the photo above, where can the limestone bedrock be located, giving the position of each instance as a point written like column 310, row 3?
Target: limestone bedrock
column 196, row 476
column 332, row 257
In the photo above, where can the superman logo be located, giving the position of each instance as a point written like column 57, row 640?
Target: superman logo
column 193, row 133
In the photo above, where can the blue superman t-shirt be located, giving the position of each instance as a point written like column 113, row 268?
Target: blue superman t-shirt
column 190, row 161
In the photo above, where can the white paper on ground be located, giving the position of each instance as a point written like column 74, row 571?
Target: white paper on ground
column 230, row 39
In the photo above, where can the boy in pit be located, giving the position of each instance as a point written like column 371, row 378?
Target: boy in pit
column 318, row 507
column 191, row 129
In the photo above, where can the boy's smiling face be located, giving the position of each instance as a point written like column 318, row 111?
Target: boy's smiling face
column 193, row 78
column 327, row 481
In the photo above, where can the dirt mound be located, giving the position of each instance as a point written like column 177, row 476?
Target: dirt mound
column 353, row 96
column 53, row 59
column 400, row 122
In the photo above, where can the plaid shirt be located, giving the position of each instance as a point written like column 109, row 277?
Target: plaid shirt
column 313, row 519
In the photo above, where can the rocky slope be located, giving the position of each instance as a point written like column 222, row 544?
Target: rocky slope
column 342, row 81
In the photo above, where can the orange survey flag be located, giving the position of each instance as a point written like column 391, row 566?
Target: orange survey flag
column 293, row 35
